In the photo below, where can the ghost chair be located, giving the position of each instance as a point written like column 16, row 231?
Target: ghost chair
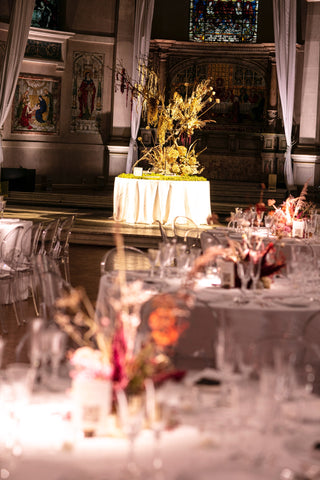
column 181, row 225
column 61, row 248
column 9, row 254
column 124, row 259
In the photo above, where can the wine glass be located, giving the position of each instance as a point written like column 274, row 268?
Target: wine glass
column 155, row 412
column 259, row 217
column 255, row 271
column 153, row 255
column 131, row 413
column 268, row 223
column 244, row 272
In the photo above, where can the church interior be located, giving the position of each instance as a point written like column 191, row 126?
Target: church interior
column 63, row 156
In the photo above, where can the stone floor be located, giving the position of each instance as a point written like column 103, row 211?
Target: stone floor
column 84, row 270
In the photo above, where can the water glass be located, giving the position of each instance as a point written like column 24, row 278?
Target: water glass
column 255, row 271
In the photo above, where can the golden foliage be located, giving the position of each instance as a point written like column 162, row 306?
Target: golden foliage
column 175, row 121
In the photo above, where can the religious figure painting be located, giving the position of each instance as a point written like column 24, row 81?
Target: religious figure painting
column 36, row 105
column 87, row 92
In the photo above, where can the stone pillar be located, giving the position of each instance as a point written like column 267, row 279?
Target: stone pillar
column 306, row 156
column 121, row 116
column 163, row 70
column 273, row 96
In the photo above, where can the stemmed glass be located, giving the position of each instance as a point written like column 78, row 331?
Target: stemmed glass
column 259, row 217
column 268, row 222
column 156, row 419
column 153, row 256
column 131, row 412
column 244, row 272
column 255, row 260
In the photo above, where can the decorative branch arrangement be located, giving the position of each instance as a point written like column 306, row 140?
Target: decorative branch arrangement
column 175, row 120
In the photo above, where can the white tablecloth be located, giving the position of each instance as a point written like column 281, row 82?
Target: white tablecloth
column 275, row 311
column 199, row 448
column 145, row 201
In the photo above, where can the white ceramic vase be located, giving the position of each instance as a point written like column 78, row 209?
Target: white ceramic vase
column 92, row 401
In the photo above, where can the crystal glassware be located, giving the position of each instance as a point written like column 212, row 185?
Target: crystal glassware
column 244, row 272
column 255, row 271
column 153, row 256
column 131, row 413
column 155, row 413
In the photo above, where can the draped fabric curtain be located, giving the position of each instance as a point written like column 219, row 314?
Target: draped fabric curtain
column 142, row 34
column 285, row 33
column 20, row 21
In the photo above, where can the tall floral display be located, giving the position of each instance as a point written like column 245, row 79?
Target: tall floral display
column 175, row 120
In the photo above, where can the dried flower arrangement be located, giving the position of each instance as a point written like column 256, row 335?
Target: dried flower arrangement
column 293, row 208
column 175, row 120
column 237, row 251
column 116, row 349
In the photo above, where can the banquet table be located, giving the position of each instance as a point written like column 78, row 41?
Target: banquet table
column 146, row 201
column 207, row 441
column 280, row 309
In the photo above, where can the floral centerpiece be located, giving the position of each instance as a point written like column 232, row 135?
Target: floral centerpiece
column 175, row 120
column 271, row 263
column 293, row 209
column 123, row 349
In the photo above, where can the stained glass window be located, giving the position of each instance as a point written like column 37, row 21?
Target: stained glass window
column 223, row 21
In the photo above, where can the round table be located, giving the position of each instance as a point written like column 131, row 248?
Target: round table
column 146, row 201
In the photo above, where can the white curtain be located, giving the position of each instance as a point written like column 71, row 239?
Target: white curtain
column 142, row 34
column 20, row 21
column 284, row 21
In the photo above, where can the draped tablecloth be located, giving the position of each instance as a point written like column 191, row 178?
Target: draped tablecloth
column 280, row 310
column 146, row 201
column 191, row 450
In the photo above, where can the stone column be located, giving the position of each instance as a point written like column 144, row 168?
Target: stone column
column 121, row 117
column 163, row 70
column 306, row 158
column 273, row 96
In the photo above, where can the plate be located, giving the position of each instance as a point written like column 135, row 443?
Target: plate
column 297, row 302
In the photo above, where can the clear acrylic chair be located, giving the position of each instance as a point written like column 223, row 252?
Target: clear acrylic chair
column 192, row 238
column 123, row 259
column 181, row 225
column 9, row 255
column 163, row 233
column 49, row 284
column 29, row 247
column 61, row 248
column 48, row 237
column 210, row 239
